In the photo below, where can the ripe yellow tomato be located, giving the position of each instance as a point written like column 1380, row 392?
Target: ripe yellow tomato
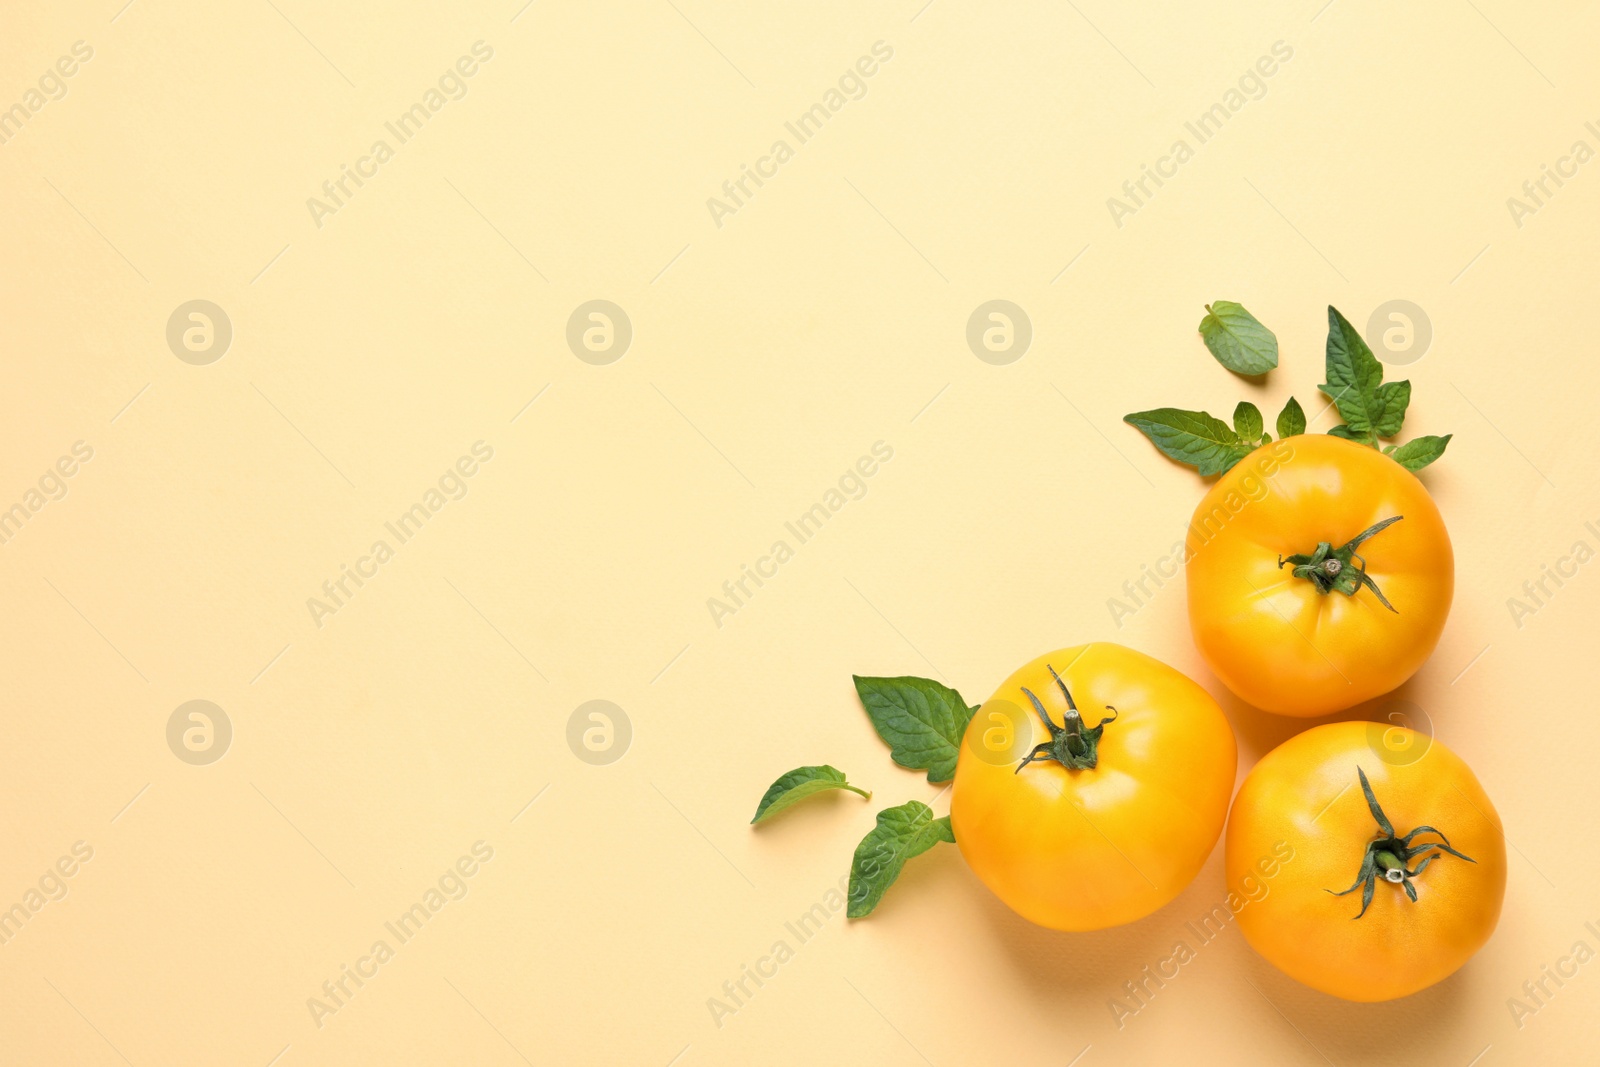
column 1360, row 909
column 1339, row 623
column 1083, row 821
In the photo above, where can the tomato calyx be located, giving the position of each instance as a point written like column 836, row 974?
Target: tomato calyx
column 1341, row 569
column 1386, row 856
column 1072, row 745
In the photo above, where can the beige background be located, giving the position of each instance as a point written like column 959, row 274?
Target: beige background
column 769, row 354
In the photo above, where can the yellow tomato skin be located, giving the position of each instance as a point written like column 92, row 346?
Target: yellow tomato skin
column 1273, row 638
column 1305, row 798
column 1084, row 849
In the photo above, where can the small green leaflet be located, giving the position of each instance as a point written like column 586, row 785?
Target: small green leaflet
column 921, row 721
column 798, row 784
column 1247, row 422
column 1194, row 438
column 1291, row 420
column 1239, row 342
column 1419, row 451
column 1370, row 408
column 901, row 833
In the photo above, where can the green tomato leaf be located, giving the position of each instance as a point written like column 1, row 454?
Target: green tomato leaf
column 921, row 721
column 1194, row 438
column 1370, row 408
column 1247, row 421
column 1239, row 342
column 1291, row 420
column 1392, row 400
column 901, row 833
column 798, row 784
column 1420, row 451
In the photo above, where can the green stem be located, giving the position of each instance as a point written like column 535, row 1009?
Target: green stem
column 1341, row 569
column 1386, row 856
column 1072, row 745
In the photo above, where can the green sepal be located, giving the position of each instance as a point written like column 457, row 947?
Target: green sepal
column 1342, row 569
column 1386, row 856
